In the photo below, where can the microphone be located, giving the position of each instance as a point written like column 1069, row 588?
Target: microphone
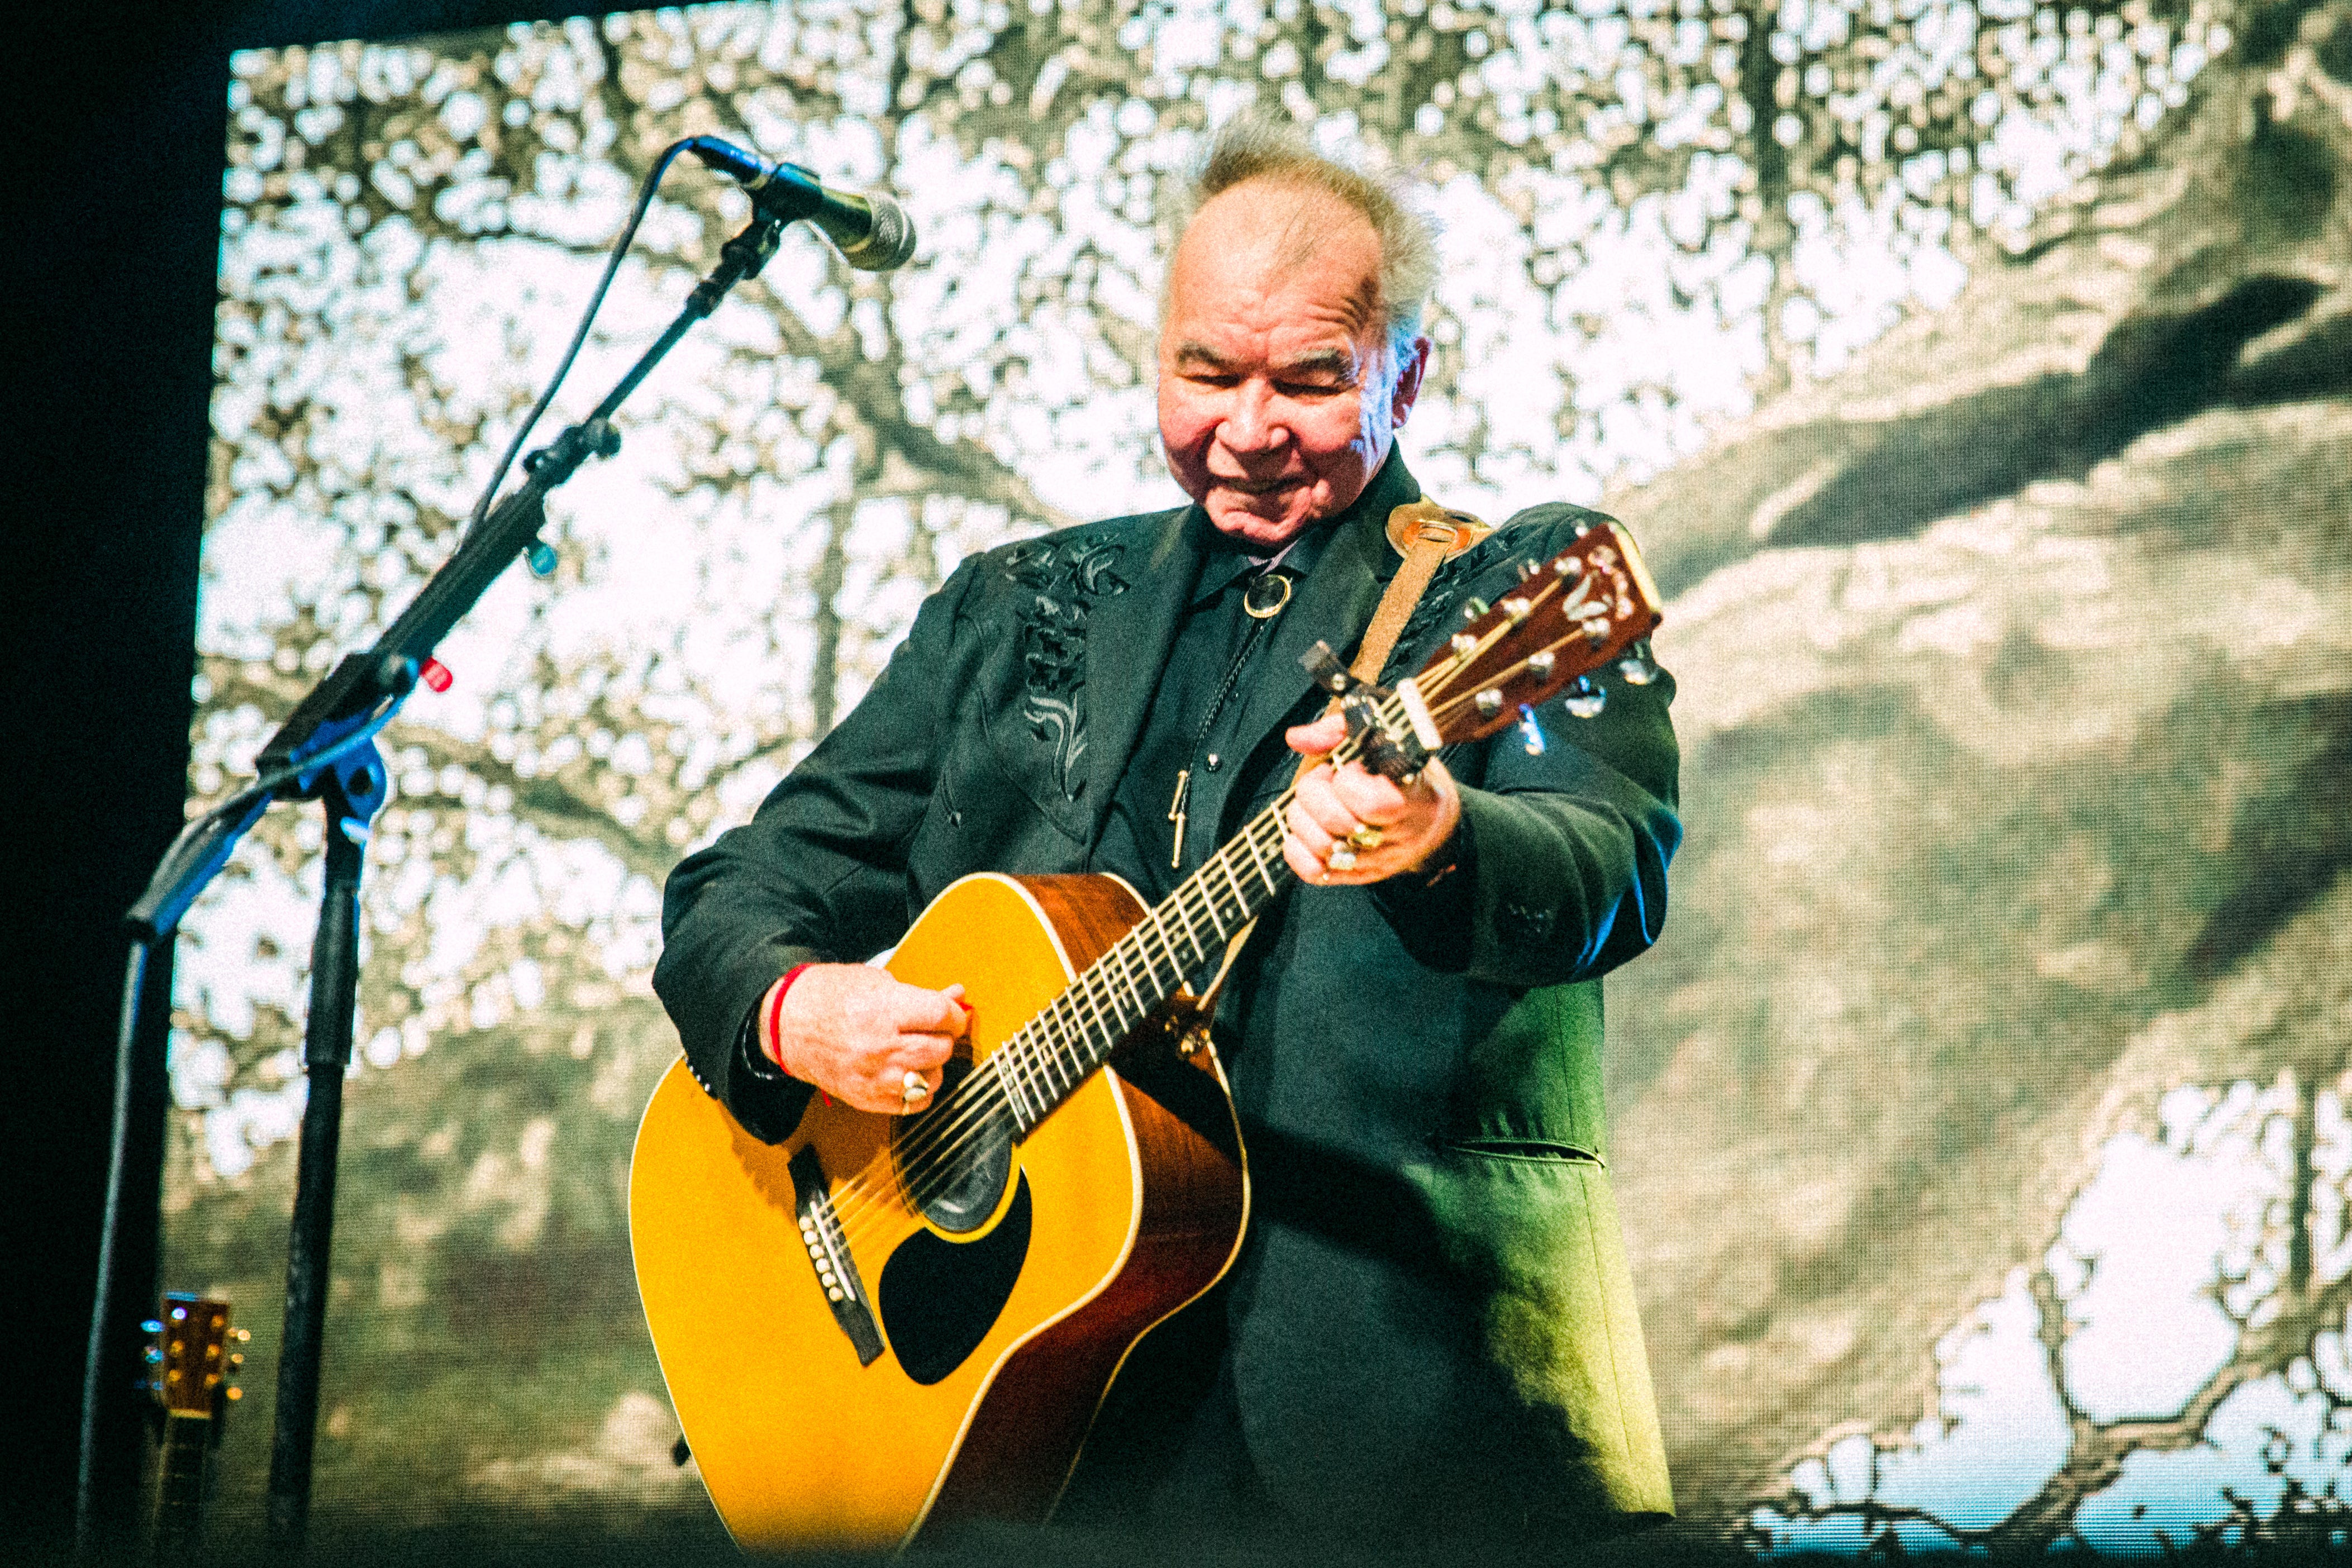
column 871, row 231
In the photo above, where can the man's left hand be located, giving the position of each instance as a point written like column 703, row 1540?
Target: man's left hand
column 1378, row 828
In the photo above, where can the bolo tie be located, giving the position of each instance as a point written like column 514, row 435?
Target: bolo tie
column 1263, row 600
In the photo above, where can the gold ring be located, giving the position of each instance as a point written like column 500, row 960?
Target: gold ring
column 1341, row 858
column 1366, row 837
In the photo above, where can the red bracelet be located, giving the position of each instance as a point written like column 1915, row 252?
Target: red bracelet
column 771, row 1047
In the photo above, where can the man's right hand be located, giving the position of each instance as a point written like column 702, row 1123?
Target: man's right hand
column 856, row 1031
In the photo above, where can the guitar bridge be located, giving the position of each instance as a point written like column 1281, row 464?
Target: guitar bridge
column 828, row 1250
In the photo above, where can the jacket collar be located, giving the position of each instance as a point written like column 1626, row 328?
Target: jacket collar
column 1128, row 636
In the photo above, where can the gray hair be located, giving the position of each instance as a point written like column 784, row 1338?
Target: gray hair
column 1254, row 148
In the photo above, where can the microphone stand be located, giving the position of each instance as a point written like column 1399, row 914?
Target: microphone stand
column 327, row 752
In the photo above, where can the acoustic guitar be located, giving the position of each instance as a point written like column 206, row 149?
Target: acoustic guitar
column 886, row 1323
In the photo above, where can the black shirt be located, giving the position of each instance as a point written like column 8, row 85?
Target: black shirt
column 1219, row 650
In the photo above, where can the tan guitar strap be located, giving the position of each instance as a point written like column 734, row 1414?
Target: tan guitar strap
column 1427, row 534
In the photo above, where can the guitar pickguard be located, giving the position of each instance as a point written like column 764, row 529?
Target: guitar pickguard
column 939, row 1298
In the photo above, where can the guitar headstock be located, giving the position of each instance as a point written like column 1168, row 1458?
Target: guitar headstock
column 191, row 1355
column 1592, row 604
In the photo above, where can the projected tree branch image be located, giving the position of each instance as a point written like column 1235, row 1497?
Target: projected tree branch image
column 1976, row 378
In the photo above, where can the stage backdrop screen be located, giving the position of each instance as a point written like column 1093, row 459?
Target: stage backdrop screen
column 1977, row 374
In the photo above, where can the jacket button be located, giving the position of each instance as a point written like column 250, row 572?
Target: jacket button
column 955, row 818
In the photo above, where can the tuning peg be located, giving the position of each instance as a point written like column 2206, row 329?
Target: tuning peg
column 1584, row 700
column 1530, row 732
column 233, row 1393
column 152, row 1327
column 1473, row 607
column 540, row 556
column 153, row 1357
column 1635, row 666
column 240, row 1335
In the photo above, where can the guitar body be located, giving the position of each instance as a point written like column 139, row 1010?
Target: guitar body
column 998, row 1332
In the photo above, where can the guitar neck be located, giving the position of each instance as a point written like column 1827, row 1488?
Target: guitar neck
column 180, row 1487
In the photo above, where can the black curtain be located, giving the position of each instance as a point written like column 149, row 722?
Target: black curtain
column 117, row 121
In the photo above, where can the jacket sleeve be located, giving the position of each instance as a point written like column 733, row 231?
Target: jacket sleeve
column 1561, row 862
column 818, row 875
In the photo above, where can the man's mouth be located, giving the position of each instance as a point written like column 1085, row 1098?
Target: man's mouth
column 1254, row 486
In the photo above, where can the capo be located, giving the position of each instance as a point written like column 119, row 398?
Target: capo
column 1324, row 666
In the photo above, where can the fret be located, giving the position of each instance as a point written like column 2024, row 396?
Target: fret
column 1007, row 1073
column 1126, row 973
column 1038, row 1062
column 1209, row 902
column 1201, row 945
column 1069, row 1043
column 1034, row 1080
column 1109, row 1019
column 1168, row 942
column 1152, row 956
column 1258, row 860
column 1241, row 902
column 1058, row 1024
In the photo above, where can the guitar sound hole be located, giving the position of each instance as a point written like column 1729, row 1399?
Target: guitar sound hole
column 955, row 1158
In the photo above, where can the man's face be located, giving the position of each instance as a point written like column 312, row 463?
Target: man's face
column 1276, row 401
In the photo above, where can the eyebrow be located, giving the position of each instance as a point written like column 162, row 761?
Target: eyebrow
column 1320, row 361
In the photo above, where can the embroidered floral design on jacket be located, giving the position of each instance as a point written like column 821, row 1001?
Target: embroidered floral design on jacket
column 1437, row 601
column 1065, row 577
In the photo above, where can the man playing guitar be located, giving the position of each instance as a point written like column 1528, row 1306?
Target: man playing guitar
column 1428, row 1332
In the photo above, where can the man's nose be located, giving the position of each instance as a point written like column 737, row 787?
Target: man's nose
column 1252, row 423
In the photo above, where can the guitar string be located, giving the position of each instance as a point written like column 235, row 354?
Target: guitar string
column 970, row 1112
column 928, row 1164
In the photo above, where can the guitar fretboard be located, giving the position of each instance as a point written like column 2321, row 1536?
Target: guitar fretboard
column 179, row 1481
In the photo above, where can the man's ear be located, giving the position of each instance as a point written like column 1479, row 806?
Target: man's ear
column 1408, row 383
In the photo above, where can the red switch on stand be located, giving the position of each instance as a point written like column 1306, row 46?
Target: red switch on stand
column 436, row 673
